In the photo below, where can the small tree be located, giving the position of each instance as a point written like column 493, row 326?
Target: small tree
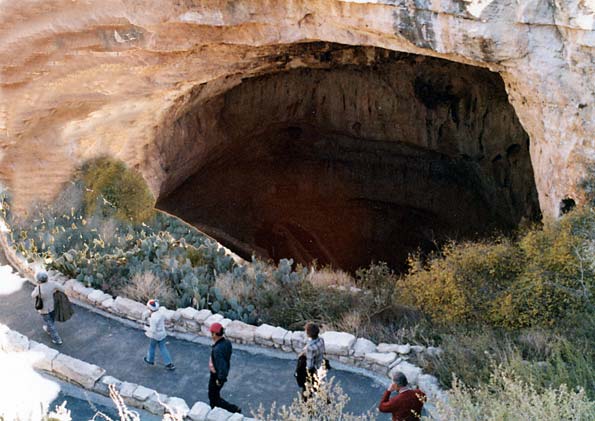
column 113, row 188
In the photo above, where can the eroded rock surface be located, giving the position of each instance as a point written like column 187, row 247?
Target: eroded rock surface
column 174, row 88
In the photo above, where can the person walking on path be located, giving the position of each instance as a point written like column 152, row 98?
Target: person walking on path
column 156, row 332
column 407, row 404
column 45, row 291
column 314, row 353
column 219, row 365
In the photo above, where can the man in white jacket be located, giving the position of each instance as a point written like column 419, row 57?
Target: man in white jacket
column 156, row 332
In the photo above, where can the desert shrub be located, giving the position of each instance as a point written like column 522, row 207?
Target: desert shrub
column 376, row 276
column 507, row 397
column 145, row 285
column 329, row 277
column 469, row 353
column 542, row 279
column 353, row 321
column 282, row 295
column 464, row 282
column 290, row 298
column 557, row 280
column 292, row 305
column 234, row 286
column 545, row 358
column 380, row 283
column 123, row 190
column 565, row 360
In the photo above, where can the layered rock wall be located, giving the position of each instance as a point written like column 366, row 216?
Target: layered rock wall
column 80, row 79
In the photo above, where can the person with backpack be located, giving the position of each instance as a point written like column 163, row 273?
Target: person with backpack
column 314, row 358
column 219, row 365
column 43, row 295
column 157, row 334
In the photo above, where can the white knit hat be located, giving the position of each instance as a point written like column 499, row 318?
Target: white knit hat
column 153, row 304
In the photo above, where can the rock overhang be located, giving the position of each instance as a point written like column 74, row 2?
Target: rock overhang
column 358, row 154
column 83, row 79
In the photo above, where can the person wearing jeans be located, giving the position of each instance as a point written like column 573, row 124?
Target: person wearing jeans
column 164, row 353
column 157, row 335
column 45, row 289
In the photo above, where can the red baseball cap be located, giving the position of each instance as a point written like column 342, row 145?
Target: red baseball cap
column 216, row 328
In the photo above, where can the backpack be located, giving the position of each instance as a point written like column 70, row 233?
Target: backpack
column 38, row 299
column 62, row 307
column 301, row 373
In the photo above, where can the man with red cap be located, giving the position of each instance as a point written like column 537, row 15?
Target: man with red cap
column 219, row 366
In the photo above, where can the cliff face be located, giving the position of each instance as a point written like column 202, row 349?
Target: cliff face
column 186, row 91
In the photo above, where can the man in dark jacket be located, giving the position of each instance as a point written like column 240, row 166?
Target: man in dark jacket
column 219, row 365
column 407, row 404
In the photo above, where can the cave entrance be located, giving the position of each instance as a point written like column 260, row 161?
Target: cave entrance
column 362, row 155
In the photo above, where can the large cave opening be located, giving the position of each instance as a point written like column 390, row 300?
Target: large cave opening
column 358, row 155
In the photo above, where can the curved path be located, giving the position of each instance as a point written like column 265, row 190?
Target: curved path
column 255, row 377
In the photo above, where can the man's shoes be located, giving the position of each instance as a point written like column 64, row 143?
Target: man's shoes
column 170, row 366
column 45, row 329
column 147, row 361
column 57, row 341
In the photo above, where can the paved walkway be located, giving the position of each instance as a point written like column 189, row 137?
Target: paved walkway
column 255, row 378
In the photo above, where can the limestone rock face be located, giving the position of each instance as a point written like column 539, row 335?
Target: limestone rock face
column 494, row 98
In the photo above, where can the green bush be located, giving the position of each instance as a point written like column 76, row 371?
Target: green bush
column 470, row 353
column 124, row 190
column 543, row 357
column 293, row 305
column 542, row 279
column 464, row 283
column 557, row 281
